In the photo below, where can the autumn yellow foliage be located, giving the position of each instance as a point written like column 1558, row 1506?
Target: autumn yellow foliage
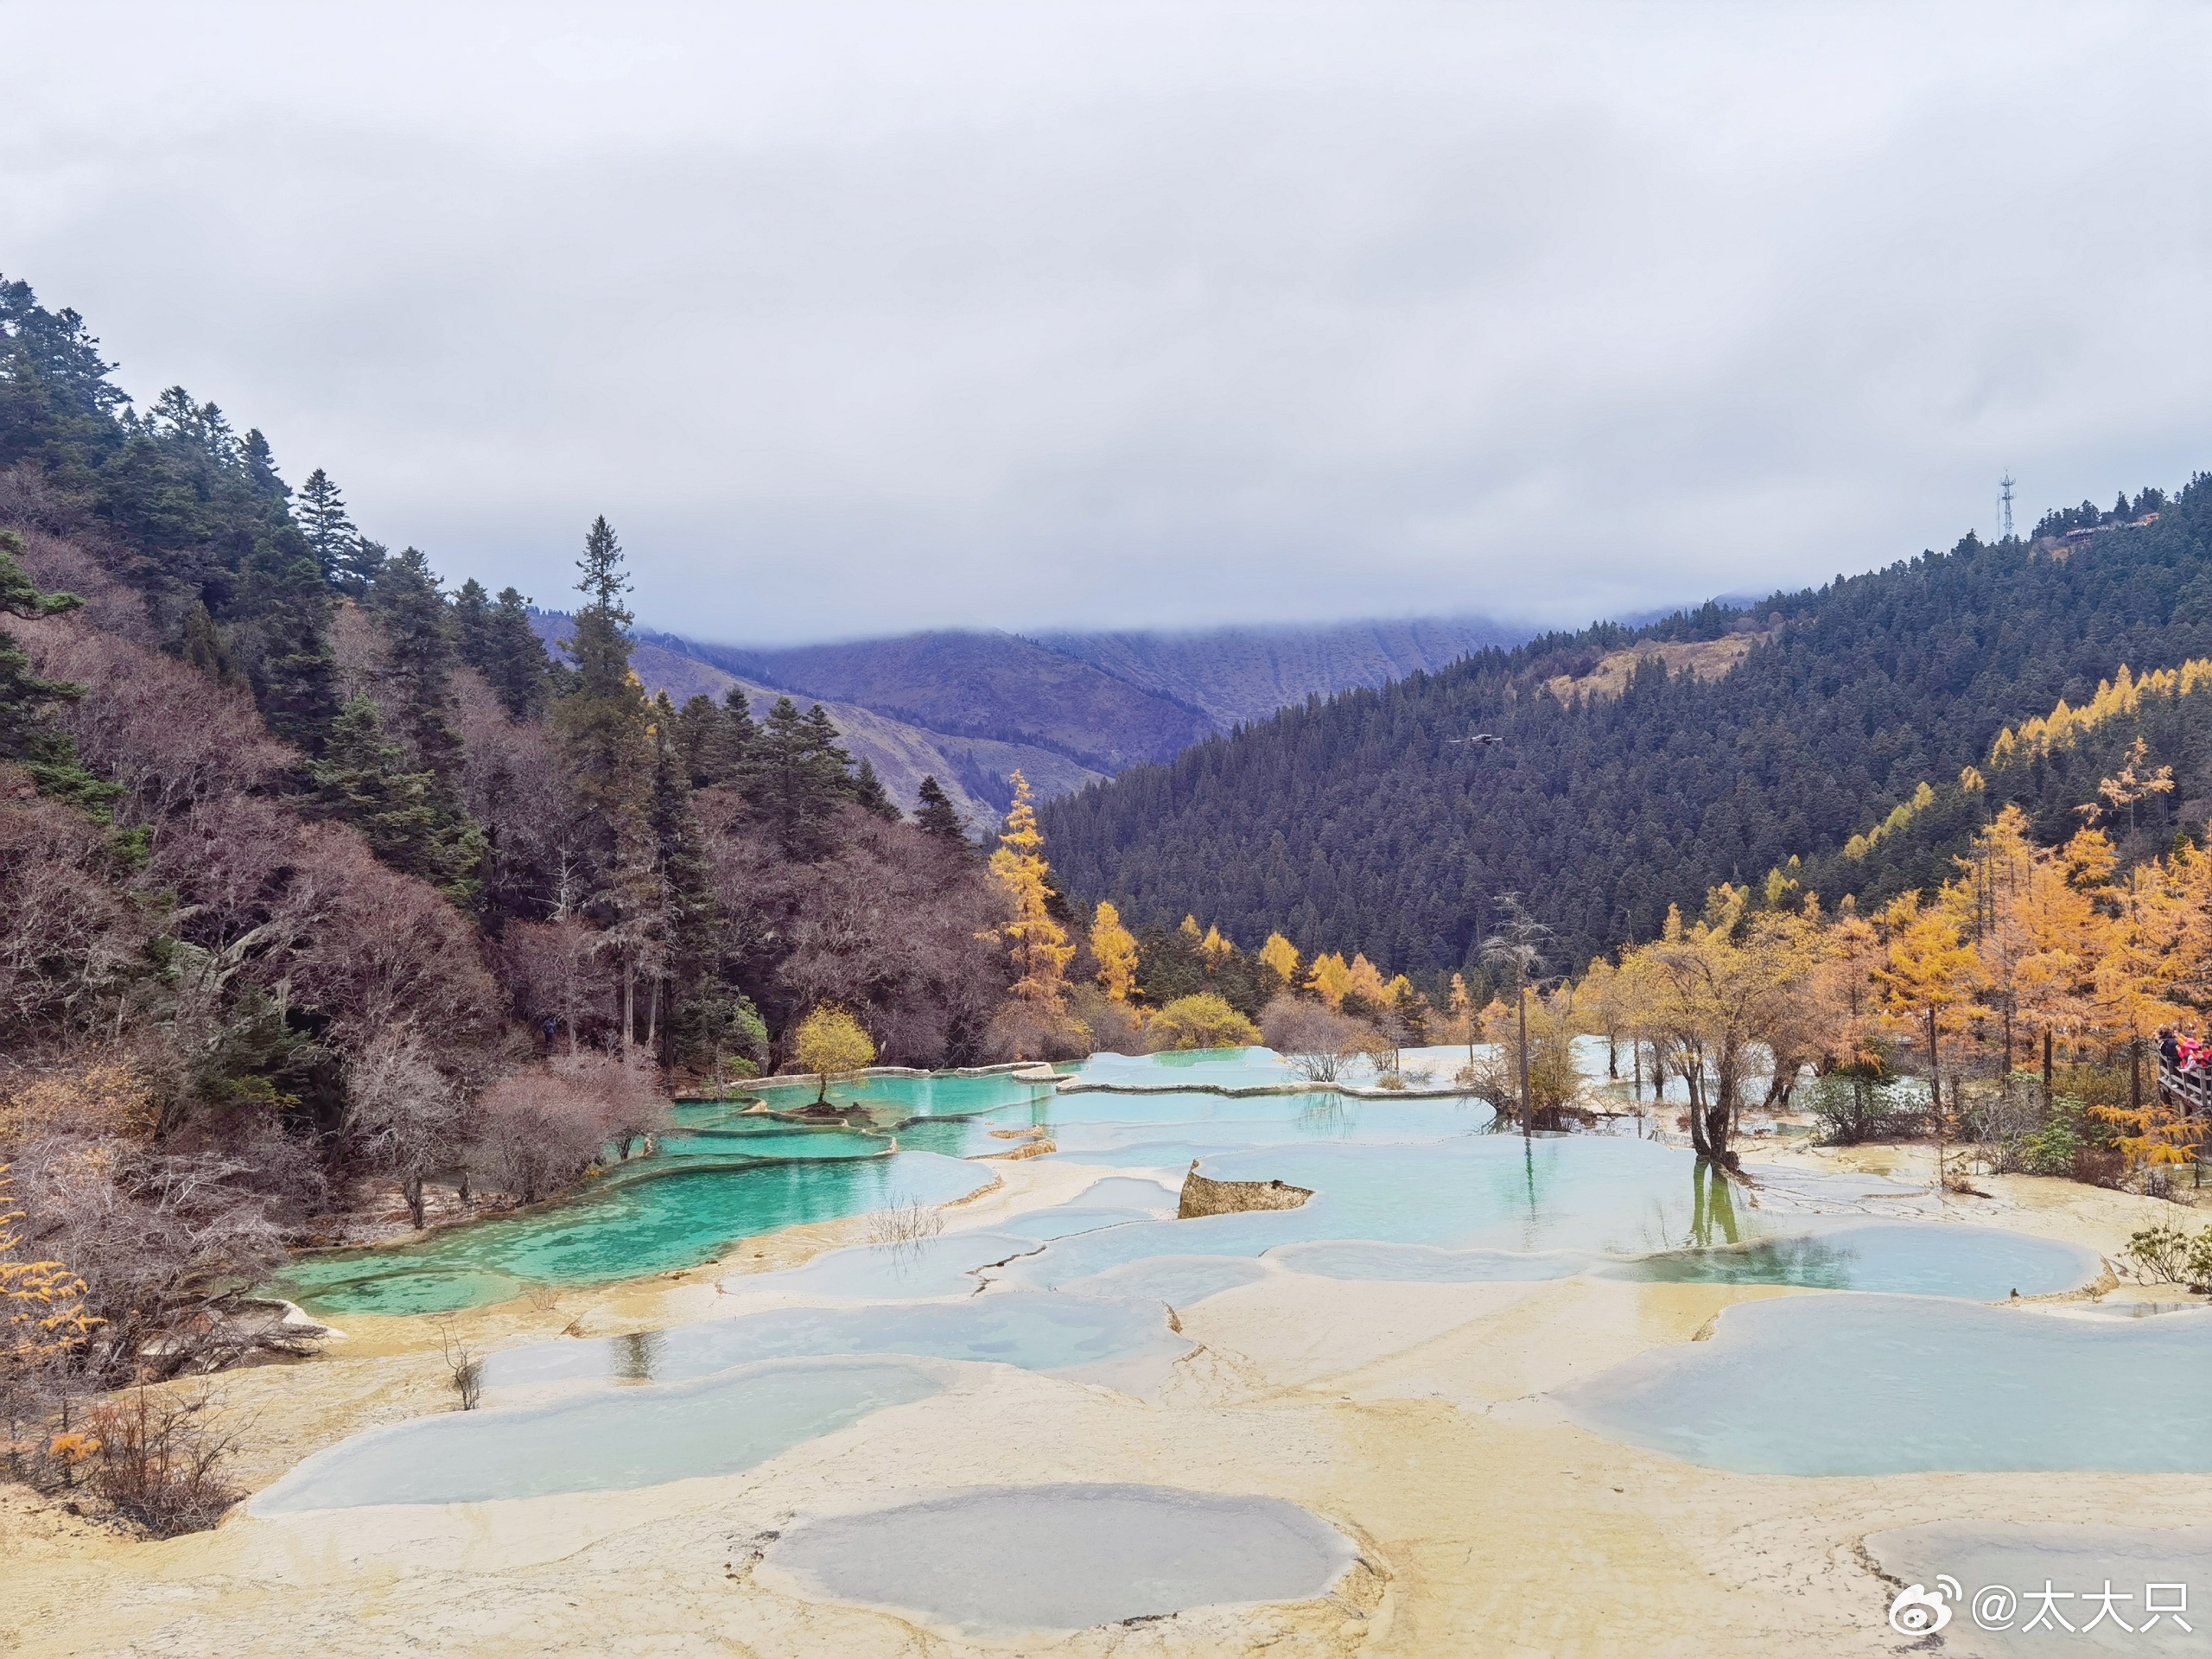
column 1115, row 947
column 1038, row 945
column 43, row 1311
column 94, row 1097
column 830, row 1043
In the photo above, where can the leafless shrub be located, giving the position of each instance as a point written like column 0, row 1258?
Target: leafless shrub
column 542, row 1298
column 886, row 927
column 1023, row 1031
column 540, row 1128
column 467, row 1368
column 157, row 1458
column 1115, row 1027
column 170, row 734
column 66, row 936
column 904, row 1224
column 1313, row 1038
column 170, row 1244
column 402, row 1114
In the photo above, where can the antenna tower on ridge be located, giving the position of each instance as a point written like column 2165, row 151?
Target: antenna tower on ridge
column 2004, row 496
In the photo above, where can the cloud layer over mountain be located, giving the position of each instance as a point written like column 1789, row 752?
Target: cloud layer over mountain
column 860, row 318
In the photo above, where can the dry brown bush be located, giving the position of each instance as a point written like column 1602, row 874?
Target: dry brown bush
column 158, row 1458
column 540, row 1128
column 1312, row 1037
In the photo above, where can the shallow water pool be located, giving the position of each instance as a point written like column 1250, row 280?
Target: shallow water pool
column 1983, row 1264
column 1005, row 1559
column 1851, row 1384
column 647, row 1220
column 636, row 1437
column 1101, row 1337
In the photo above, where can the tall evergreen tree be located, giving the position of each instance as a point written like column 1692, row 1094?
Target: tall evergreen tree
column 604, row 724
column 687, row 932
column 800, row 776
column 935, row 815
column 737, row 754
column 363, row 779
column 471, row 623
column 358, row 564
column 515, row 660
column 57, row 405
column 407, row 600
column 602, row 713
column 321, row 514
column 206, row 648
column 699, row 740
column 869, row 792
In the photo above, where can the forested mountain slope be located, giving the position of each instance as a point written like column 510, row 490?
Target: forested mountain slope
column 1353, row 823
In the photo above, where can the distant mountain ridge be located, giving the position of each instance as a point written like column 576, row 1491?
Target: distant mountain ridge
column 969, row 707
column 1235, row 676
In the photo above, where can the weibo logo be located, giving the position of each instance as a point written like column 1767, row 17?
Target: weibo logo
column 1919, row 1611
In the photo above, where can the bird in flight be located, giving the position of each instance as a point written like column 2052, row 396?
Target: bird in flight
column 1477, row 739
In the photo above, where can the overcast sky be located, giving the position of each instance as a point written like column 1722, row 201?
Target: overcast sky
column 859, row 318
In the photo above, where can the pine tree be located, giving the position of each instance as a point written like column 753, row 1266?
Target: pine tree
column 363, row 779
column 322, row 519
column 471, row 624
column 698, row 739
column 602, row 714
column 735, row 758
column 282, row 639
column 359, row 563
column 206, row 648
column 869, row 791
column 604, row 725
column 937, row 817
column 800, row 776
column 516, row 663
column 407, row 600
column 686, row 928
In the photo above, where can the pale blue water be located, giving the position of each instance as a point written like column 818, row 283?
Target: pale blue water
column 1980, row 1263
column 1001, row 1560
column 1035, row 1332
column 1177, row 1280
column 1407, row 1190
column 1851, row 1384
column 607, row 1441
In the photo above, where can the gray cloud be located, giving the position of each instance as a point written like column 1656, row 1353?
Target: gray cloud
column 858, row 318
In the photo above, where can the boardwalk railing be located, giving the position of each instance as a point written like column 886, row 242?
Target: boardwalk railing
column 2190, row 1092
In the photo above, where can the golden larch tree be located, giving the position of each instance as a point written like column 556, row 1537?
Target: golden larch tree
column 1116, row 947
column 1038, row 945
column 1281, row 955
column 1928, row 975
column 1330, row 979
